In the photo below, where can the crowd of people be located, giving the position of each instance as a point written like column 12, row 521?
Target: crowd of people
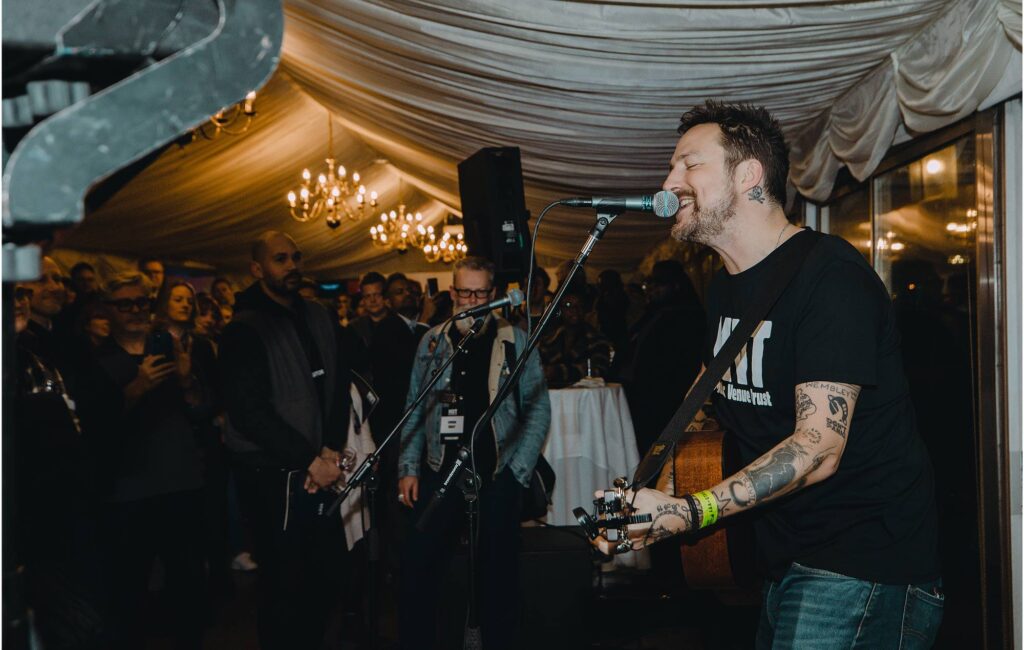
column 141, row 405
column 182, row 417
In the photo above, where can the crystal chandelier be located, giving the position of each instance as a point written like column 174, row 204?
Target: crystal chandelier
column 449, row 248
column 401, row 230
column 229, row 120
column 331, row 193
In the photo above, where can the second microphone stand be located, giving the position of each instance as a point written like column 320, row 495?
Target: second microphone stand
column 461, row 473
column 366, row 474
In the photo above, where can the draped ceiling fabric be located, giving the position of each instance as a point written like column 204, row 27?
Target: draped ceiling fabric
column 942, row 75
column 591, row 93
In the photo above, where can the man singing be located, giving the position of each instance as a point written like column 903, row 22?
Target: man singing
column 818, row 403
column 506, row 451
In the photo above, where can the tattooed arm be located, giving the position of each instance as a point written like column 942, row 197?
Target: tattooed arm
column 823, row 414
column 811, row 454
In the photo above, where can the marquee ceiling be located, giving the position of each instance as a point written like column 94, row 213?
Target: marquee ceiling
column 591, row 93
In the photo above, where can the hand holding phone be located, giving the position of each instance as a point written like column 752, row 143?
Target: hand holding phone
column 159, row 343
column 153, row 370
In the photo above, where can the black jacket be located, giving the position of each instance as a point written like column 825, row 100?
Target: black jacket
column 247, row 390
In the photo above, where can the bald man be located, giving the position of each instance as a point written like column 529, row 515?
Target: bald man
column 286, row 390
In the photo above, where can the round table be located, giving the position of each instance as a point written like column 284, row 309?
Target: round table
column 590, row 443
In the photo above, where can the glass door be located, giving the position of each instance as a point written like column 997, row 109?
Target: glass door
column 923, row 244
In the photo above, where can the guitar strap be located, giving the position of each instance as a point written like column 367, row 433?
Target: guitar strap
column 799, row 250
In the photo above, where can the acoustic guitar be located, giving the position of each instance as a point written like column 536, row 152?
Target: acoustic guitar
column 720, row 557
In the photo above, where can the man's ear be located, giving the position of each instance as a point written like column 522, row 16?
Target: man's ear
column 255, row 270
column 749, row 174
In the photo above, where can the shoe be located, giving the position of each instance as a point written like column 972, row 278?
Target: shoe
column 244, row 562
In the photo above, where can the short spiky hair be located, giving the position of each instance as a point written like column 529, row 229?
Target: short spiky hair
column 748, row 131
column 122, row 280
column 475, row 263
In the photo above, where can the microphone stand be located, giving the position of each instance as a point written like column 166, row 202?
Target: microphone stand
column 367, row 474
column 461, row 472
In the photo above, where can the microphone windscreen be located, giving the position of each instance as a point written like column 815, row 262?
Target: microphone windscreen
column 515, row 297
column 666, row 204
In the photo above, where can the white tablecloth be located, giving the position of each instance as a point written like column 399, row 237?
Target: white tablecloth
column 590, row 443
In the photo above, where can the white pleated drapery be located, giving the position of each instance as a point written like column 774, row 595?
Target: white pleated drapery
column 591, row 93
column 945, row 73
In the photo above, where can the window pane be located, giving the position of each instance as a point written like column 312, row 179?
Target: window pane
column 926, row 222
column 849, row 218
column 924, row 251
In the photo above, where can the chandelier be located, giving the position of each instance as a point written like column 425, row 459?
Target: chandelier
column 401, row 230
column 229, row 120
column 448, row 249
column 331, row 193
column 450, row 246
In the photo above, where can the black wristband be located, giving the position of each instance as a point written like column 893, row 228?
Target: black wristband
column 694, row 512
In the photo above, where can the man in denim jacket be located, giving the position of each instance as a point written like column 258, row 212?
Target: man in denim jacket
column 505, row 453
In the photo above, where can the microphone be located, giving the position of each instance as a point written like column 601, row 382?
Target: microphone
column 664, row 204
column 513, row 298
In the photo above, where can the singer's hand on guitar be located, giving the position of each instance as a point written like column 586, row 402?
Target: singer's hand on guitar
column 669, row 517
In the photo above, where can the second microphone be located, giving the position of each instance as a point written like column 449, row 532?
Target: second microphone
column 513, row 298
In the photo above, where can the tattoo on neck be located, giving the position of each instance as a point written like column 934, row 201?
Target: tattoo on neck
column 756, row 194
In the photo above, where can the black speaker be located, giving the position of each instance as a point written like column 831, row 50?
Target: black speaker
column 556, row 572
column 494, row 210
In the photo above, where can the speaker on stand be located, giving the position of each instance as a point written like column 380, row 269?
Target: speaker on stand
column 494, row 211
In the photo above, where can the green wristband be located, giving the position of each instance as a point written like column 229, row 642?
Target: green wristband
column 708, row 508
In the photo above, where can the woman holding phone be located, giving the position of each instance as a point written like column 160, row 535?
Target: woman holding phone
column 176, row 313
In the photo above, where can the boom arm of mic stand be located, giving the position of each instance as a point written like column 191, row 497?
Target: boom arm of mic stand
column 363, row 471
column 604, row 219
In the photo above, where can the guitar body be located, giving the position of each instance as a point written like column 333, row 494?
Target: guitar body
column 720, row 557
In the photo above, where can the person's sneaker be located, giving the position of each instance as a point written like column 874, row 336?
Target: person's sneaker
column 244, row 562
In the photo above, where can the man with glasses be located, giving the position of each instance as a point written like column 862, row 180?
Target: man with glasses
column 505, row 453
column 285, row 385
column 146, row 392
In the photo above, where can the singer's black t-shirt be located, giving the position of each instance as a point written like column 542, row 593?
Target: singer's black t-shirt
column 875, row 518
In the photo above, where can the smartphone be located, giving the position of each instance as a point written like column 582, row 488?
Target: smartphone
column 431, row 286
column 160, row 343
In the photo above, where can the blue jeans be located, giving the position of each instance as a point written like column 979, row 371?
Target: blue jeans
column 816, row 609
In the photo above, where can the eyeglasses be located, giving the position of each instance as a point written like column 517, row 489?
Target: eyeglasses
column 124, row 305
column 466, row 293
column 23, row 293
